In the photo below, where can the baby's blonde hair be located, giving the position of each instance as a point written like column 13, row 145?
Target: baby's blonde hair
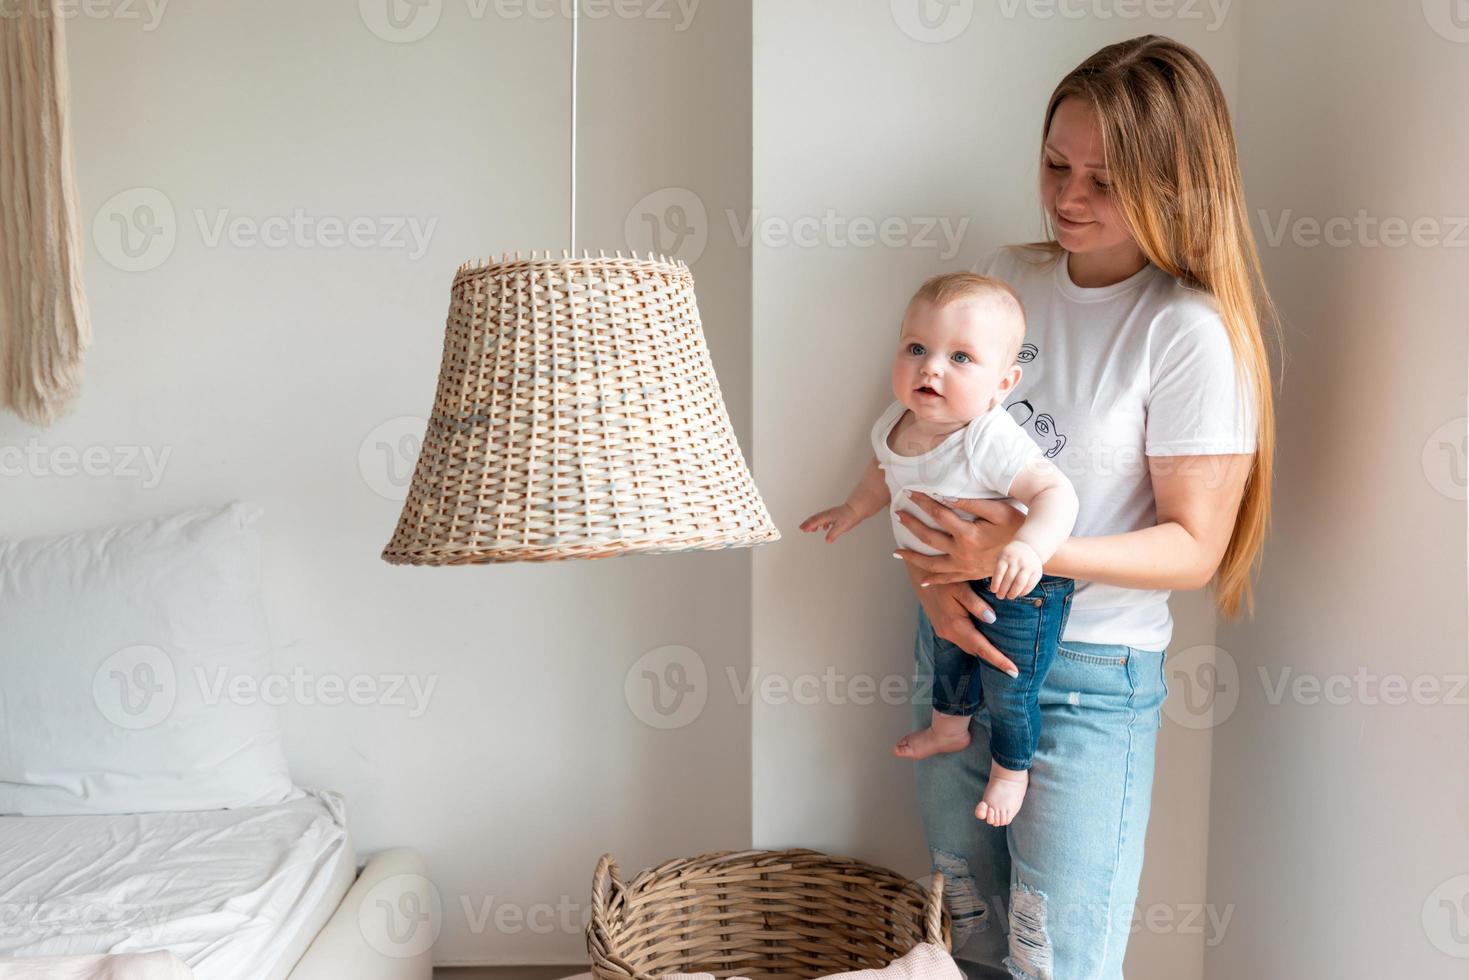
column 956, row 287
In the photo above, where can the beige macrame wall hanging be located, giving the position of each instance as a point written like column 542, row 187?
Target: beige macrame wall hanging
column 44, row 327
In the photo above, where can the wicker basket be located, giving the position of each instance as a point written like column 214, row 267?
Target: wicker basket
column 758, row 914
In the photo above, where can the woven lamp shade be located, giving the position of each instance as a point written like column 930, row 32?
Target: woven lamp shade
column 577, row 416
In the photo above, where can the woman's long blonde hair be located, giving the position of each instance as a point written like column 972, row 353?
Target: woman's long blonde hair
column 1174, row 171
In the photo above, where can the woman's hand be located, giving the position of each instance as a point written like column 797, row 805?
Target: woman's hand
column 970, row 548
column 949, row 608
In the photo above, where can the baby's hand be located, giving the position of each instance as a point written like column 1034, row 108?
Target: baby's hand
column 1017, row 570
column 839, row 520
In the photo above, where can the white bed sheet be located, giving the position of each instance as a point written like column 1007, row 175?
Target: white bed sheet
column 235, row 894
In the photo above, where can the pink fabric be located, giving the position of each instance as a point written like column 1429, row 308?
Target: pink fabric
column 923, row 962
column 159, row 965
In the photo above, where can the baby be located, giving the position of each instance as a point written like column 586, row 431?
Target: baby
column 948, row 435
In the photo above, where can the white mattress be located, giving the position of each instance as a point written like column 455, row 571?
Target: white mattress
column 236, row 894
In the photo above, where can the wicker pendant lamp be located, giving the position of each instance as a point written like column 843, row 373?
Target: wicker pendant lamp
column 577, row 416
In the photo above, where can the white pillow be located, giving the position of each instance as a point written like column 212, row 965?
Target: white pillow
column 116, row 651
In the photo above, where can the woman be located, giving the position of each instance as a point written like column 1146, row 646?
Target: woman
column 1147, row 382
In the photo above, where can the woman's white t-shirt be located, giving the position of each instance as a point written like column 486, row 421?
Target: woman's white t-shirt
column 1111, row 376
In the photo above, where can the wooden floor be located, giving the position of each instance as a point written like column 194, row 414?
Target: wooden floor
column 507, row 972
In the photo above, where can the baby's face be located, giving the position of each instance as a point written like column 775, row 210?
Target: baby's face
column 952, row 364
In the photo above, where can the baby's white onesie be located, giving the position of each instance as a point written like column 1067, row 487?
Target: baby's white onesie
column 980, row 460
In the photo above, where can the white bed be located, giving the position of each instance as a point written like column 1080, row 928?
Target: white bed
column 233, row 893
column 143, row 814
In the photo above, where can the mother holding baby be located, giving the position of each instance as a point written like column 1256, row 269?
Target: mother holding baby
column 1146, row 381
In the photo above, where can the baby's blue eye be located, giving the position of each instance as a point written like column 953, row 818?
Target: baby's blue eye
column 962, row 357
column 916, row 350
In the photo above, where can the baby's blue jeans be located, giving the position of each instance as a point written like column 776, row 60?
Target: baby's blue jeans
column 1026, row 629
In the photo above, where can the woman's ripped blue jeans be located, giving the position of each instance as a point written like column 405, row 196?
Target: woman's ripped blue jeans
column 1052, row 894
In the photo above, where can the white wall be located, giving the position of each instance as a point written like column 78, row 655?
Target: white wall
column 265, row 373
column 1338, row 818
column 856, row 115
column 288, row 376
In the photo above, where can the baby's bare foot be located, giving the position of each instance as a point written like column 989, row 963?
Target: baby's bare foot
column 1003, row 795
column 930, row 741
column 945, row 733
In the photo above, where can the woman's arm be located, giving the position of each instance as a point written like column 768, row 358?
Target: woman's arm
column 1197, row 497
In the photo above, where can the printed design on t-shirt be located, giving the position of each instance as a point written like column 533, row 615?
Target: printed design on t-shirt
column 1024, row 413
column 1050, row 441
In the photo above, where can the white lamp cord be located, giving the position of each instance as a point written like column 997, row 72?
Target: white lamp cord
column 575, row 19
